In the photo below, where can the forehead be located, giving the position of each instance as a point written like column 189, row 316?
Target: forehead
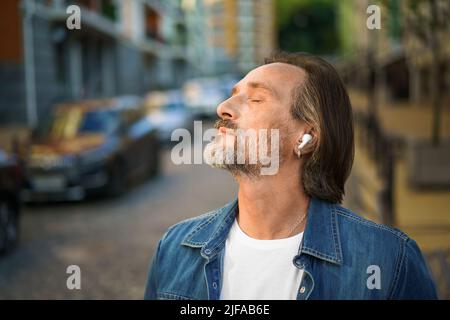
column 282, row 77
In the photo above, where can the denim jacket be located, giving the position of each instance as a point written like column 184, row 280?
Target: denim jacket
column 343, row 256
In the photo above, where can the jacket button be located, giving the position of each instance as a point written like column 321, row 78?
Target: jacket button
column 207, row 251
column 302, row 290
column 214, row 285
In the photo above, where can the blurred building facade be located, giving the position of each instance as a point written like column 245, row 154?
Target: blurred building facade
column 418, row 40
column 366, row 51
column 123, row 47
column 399, row 65
column 230, row 35
column 401, row 47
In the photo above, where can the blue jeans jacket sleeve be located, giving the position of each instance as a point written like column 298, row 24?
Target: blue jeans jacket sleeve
column 414, row 280
column 152, row 285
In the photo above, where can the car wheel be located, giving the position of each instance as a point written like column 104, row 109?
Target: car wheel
column 9, row 225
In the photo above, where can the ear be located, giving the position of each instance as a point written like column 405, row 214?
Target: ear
column 309, row 147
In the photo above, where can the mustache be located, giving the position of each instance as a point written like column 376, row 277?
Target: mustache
column 226, row 123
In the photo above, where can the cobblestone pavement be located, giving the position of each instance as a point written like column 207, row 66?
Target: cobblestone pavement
column 112, row 240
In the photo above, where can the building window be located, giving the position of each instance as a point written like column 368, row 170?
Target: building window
column 152, row 22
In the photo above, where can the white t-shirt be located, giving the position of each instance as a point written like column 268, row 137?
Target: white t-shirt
column 260, row 269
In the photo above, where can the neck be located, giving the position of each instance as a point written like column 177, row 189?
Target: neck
column 270, row 206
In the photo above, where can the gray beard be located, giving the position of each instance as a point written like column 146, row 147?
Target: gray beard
column 213, row 153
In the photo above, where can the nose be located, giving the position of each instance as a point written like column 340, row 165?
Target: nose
column 225, row 111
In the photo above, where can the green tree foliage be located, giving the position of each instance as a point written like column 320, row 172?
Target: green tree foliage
column 307, row 25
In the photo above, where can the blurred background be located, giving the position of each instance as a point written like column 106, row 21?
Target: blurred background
column 86, row 117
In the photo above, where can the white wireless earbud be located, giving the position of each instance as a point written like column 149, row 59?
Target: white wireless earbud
column 305, row 139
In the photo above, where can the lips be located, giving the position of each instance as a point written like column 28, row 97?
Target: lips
column 226, row 131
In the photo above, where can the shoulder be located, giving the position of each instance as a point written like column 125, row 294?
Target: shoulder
column 195, row 231
column 411, row 278
column 371, row 240
column 350, row 219
column 184, row 227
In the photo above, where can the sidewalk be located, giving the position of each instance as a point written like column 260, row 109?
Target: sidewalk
column 403, row 119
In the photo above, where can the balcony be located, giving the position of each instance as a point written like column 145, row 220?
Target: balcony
column 96, row 14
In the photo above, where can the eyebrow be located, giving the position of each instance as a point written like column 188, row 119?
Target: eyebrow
column 257, row 85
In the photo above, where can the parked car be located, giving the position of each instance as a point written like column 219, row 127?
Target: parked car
column 91, row 147
column 11, row 180
column 167, row 111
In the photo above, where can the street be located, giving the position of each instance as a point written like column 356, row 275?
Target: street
column 111, row 240
column 90, row 89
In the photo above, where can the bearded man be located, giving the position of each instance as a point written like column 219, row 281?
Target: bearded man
column 287, row 236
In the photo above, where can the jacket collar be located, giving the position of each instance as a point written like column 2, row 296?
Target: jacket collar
column 321, row 238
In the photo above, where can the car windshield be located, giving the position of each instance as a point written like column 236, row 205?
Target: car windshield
column 68, row 123
column 103, row 121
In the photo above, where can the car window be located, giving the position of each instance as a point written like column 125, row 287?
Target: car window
column 99, row 121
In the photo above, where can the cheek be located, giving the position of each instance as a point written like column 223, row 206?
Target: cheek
column 287, row 135
column 278, row 116
column 258, row 119
column 269, row 115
